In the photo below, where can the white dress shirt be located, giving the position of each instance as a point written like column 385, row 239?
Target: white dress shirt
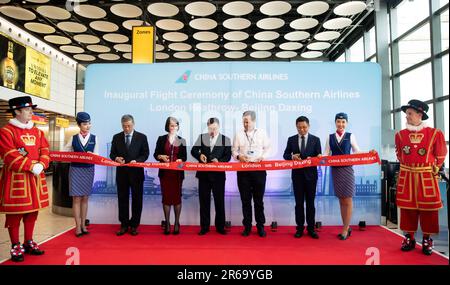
column 84, row 141
column 354, row 144
column 255, row 141
column 212, row 141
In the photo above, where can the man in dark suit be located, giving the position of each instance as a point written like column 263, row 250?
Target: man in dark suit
column 212, row 147
column 304, row 180
column 129, row 146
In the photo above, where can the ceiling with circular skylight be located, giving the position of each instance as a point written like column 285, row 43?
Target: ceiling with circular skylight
column 100, row 31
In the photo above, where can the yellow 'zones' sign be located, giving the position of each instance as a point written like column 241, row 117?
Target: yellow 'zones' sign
column 37, row 74
column 61, row 122
column 143, row 44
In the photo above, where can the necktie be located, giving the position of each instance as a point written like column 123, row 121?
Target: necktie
column 211, row 146
column 128, row 141
column 302, row 148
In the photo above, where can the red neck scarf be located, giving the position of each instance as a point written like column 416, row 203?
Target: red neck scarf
column 84, row 134
column 339, row 132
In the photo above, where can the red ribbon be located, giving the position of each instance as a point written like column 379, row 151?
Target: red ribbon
column 337, row 160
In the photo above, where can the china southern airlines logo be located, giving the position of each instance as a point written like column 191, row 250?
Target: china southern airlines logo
column 324, row 160
column 184, row 77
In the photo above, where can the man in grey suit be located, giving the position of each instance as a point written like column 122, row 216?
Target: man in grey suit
column 129, row 146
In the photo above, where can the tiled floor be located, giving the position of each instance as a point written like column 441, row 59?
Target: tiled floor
column 47, row 226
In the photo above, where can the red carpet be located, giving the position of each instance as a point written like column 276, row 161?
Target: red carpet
column 102, row 246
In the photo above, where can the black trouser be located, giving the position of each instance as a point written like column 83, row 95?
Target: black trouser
column 252, row 184
column 304, row 190
column 126, row 182
column 217, row 186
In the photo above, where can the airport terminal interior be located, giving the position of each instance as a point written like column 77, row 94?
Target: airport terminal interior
column 407, row 39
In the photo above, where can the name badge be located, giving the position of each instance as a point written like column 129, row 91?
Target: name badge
column 253, row 155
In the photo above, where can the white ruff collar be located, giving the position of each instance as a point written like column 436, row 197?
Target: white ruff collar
column 21, row 125
column 416, row 128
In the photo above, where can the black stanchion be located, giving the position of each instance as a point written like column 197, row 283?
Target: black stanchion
column 362, row 225
column 61, row 201
column 274, row 226
column 318, row 226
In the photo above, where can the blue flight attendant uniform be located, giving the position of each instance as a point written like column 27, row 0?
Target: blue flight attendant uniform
column 343, row 176
column 81, row 174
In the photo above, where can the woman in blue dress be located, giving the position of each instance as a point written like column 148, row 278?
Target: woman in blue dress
column 81, row 176
column 342, row 142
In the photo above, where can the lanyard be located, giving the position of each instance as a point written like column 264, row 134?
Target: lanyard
column 250, row 142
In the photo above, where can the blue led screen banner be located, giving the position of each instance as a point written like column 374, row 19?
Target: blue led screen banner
column 277, row 92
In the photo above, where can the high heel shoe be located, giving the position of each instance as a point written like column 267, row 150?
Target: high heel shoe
column 176, row 229
column 167, row 228
column 349, row 233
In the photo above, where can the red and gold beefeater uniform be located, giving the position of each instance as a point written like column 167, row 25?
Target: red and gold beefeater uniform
column 21, row 191
column 421, row 153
